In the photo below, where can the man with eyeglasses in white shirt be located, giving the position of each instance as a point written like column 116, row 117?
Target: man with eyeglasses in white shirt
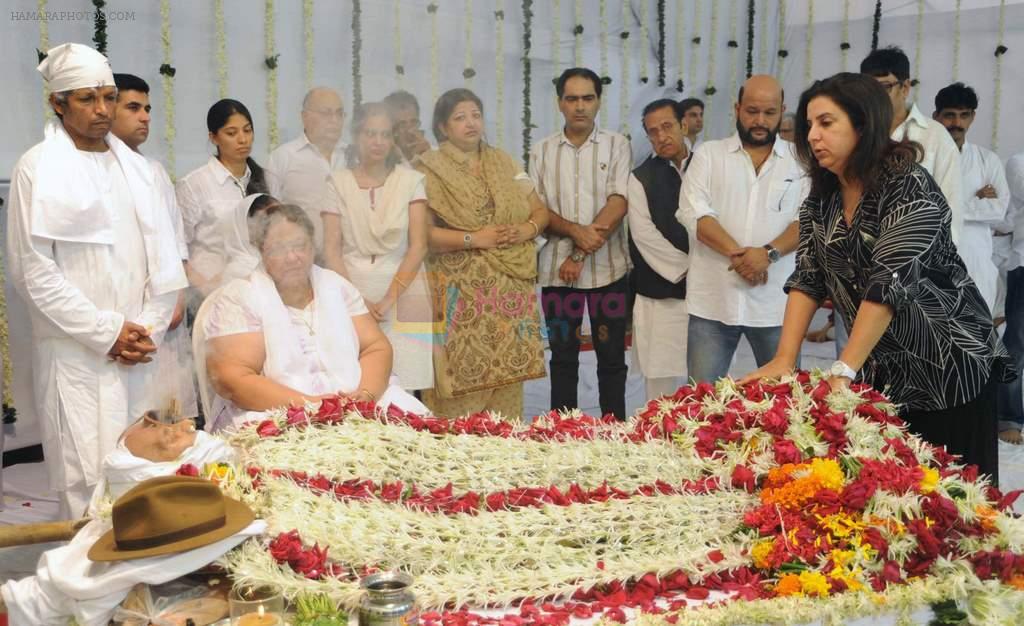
column 739, row 201
column 303, row 165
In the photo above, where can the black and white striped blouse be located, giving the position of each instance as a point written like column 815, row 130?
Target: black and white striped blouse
column 940, row 347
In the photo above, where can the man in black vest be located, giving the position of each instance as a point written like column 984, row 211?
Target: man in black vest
column 658, row 247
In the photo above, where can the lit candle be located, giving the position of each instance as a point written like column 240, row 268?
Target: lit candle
column 259, row 618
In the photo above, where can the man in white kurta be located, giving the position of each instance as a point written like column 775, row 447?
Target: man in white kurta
column 986, row 194
column 891, row 68
column 658, row 247
column 96, row 262
column 301, row 166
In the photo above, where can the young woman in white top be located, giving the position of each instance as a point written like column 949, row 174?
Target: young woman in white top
column 375, row 234
column 209, row 194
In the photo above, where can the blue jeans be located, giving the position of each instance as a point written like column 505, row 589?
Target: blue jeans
column 711, row 345
column 1010, row 405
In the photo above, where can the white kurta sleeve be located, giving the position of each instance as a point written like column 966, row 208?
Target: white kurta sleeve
column 191, row 210
column 156, row 314
column 695, row 193
column 620, row 168
column 989, row 210
column 42, row 283
column 664, row 258
column 947, row 175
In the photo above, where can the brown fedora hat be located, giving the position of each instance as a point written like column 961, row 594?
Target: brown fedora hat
column 169, row 514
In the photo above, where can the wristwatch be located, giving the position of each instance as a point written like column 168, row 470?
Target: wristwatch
column 467, row 241
column 773, row 254
column 840, row 369
column 577, row 256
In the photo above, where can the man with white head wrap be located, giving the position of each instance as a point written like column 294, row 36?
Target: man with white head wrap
column 96, row 262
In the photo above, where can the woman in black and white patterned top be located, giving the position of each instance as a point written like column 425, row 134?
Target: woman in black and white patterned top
column 875, row 238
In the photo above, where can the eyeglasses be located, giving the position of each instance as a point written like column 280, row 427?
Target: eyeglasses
column 338, row 113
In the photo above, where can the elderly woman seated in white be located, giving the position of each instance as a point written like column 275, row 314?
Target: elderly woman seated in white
column 293, row 332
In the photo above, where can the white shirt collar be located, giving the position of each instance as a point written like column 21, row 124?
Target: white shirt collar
column 594, row 135
column 733, row 144
column 915, row 116
column 222, row 174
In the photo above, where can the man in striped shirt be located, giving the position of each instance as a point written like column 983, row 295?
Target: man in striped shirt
column 582, row 174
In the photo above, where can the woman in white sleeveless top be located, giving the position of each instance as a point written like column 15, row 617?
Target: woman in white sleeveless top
column 375, row 234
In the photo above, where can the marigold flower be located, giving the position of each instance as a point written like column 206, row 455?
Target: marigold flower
column 930, row 480
column 987, row 517
column 814, row 584
column 761, row 551
column 789, row 585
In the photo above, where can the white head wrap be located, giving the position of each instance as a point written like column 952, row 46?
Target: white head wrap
column 75, row 66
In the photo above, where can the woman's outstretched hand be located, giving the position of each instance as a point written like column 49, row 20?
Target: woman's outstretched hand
column 776, row 368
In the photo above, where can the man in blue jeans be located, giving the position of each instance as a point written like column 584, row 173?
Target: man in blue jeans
column 1010, row 403
column 741, row 198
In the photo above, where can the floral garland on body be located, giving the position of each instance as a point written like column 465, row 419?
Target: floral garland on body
column 809, row 49
column 357, row 52
column 777, row 500
column 307, row 42
column 627, row 21
column 467, row 61
column 167, row 73
column 99, row 36
column 271, row 64
column 221, row 47
column 499, row 73
column 396, row 43
column 997, row 95
column 528, row 125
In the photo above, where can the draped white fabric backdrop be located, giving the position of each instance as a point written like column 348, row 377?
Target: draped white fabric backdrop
column 134, row 47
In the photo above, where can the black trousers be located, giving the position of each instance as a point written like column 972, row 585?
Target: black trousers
column 608, row 309
column 970, row 430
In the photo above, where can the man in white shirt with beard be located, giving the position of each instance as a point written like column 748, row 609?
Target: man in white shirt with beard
column 92, row 253
column 986, row 195
column 302, row 166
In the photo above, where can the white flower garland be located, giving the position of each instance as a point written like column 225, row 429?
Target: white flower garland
column 694, row 39
column 221, row 49
column 709, row 91
column 268, row 49
column 782, row 37
column 556, row 53
column 809, row 50
column 844, row 51
column 577, row 32
column 467, row 57
column 396, row 43
column 435, row 69
column 917, row 47
column 168, row 84
column 956, row 42
column 307, row 29
column 499, row 73
column 998, row 90
column 762, row 51
column 680, row 44
column 645, row 38
column 733, row 52
column 627, row 23
column 602, row 11
column 44, row 45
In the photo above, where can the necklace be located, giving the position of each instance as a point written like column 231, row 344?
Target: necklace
column 307, row 323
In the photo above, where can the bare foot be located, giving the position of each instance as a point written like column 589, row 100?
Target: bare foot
column 1011, row 435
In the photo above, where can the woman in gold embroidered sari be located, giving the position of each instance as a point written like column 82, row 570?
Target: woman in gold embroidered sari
column 483, row 266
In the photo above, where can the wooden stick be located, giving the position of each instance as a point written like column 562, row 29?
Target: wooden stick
column 43, row 532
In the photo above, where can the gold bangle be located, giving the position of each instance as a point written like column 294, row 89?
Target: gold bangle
column 373, row 398
column 400, row 282
column 536, row 229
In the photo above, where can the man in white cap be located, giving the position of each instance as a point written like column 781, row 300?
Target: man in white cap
column 93, row 254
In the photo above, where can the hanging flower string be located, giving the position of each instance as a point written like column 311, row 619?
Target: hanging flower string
column 750, row 38
column 271, row 64
column 917, row 48
column 661, row 43
column 10, row 413
column 99, row 36
column 499, row 74
column 695, row 41
column 844, row 45
column 602, row 11
column 762, row 52
column 167, row 72
column 396, row 43
column 783, row 53
column 710, row 90
column 997, row 94
column 627, row 23
column 556, row 51
column 645, row 38
column 528, row 126
column 679, row 38
column 357, row 52
column 44, row 45
column 956, row 42
column 467, row 55
column 435, row 69
column 307, row 46
column 577, row 34
column 875, row 25
column 809, row 49
column 734, row 49
column 221, row 47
